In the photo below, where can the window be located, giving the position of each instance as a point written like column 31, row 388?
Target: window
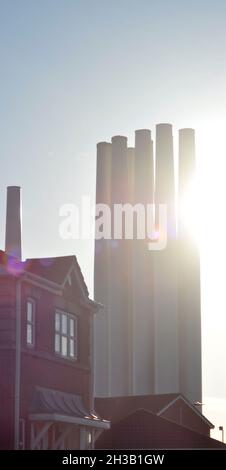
column 65, row 335
column 30, row 322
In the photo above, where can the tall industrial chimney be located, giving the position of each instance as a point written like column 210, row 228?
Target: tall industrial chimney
column 165, row 183
column 120, row 357
column 112, row 348
column 101, row 278
column 144, row 167
column 188, row 276
column 147, row 338
column 142, row 272
column 13, row 222
column 165, row 270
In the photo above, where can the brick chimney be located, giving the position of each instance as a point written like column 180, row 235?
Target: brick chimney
column 13, row 222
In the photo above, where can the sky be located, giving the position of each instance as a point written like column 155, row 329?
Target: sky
column 75, row 72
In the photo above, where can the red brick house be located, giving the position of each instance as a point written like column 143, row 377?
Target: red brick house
column 46, row 322
column 153, row 421
column 172, row 406
column 142, row 429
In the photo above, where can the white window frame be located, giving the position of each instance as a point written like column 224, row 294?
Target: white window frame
column 66, row 335
column 30, row 323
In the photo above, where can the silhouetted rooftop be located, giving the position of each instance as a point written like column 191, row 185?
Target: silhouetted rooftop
column 53, row 269
column 143, row 429
column 116, row 408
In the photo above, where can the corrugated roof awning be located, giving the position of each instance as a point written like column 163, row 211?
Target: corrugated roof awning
column 54, row 405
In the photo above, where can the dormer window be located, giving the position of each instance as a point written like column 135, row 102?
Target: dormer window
column 30, row 333
column 65, row 335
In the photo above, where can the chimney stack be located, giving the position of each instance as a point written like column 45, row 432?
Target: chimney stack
column 144, row 167
column 142, row 272
column 189, row 306
column 186, row 177
column 101, row 278
column 13, row 222
column 165, row 270
column 164, row 181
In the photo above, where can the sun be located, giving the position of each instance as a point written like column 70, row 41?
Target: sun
column 201, row 207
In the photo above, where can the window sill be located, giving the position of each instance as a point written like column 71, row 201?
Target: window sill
column 74, row 363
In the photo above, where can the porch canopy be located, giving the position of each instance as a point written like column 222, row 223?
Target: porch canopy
column 52, row 406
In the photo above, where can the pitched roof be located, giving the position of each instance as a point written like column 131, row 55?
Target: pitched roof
column 143, row 429
column 114, row 408
column 53, row 269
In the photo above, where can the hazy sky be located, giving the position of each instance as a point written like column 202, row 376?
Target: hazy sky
column 74, row 72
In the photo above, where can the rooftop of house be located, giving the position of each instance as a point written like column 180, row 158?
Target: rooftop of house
column 142, row 429
column 56, row 270
column 116, row 408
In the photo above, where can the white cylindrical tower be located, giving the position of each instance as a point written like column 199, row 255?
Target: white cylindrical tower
column 165, row 270
column 188, row 274
column 142, row 285
column 120, row 360
column 101, row 278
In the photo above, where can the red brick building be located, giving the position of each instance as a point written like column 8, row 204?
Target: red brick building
column 171, row 406
column 165, row 421
column 46, row 323
column 142, row 429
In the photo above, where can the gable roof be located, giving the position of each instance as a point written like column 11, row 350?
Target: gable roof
column 191, row 406
column 55, row 269
column 143, row 429
column 116, row 408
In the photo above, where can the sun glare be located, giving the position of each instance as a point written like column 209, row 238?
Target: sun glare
column 189, row 211
column 203, row 203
